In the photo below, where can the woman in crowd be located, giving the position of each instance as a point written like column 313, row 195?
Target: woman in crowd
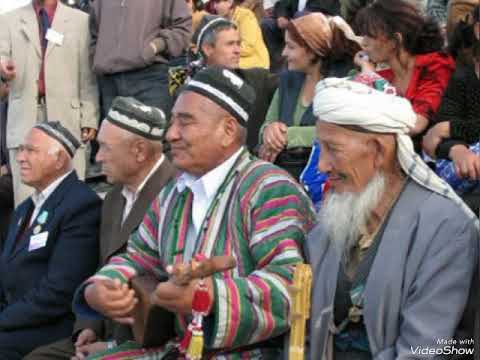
column 253, row 51
column 396, row 34
column 456, row 133
column 315, row 46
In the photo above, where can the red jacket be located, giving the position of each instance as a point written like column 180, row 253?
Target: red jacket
column 429, row 81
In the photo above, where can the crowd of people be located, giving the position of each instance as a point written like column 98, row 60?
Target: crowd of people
column 240, row 139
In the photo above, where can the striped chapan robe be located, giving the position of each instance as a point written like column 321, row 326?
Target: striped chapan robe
column 261, row 216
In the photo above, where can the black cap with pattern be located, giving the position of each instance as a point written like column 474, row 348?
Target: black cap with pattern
column 225, row 88
column 55, row 130
column 132, row 115
column 208, row 24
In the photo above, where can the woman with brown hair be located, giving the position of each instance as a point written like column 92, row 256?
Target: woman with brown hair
column 396, row 34
column 316, row 46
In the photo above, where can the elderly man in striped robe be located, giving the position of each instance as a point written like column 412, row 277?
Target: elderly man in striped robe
column 225, row 202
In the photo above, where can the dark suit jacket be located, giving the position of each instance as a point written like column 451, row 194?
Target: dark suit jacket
column 36, row 287
column 114, row 238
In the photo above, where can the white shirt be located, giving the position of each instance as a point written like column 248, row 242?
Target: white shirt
column 39, row 198
column 131, row 197
column 204, row 190
column 302, row 4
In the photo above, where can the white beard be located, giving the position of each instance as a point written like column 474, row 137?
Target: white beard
column 343, row 215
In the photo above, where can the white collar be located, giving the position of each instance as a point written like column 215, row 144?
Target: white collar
column 39, row 198
column 133, row 195
column 211, row 181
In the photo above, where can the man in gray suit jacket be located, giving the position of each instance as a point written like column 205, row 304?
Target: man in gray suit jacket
column 44, row 57
column 131, row 156
column 395, row 250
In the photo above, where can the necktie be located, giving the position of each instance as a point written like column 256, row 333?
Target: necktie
column 44, row 26
column 25, row 222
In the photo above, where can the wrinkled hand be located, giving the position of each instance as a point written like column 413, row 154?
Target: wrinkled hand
column 85, row 351
column 275, row 136
column 467, row 163
column 8, row 70
column 362, row 60
column 112, row 299
column 88, row 134
column 178, row 298
column 282, row 22
column 176, row 295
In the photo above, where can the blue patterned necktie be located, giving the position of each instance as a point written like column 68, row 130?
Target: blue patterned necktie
column 44, row 26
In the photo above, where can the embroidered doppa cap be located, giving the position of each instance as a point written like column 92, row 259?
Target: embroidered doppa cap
column 208, row 24
column 132, row 115
column 55, row 130
column 226, row 89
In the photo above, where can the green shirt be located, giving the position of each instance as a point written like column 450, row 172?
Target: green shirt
column 297, row 135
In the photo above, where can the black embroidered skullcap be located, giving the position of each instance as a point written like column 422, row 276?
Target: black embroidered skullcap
column 208, row 24
column 225, row 88
column 55, row 130
column 132, row 115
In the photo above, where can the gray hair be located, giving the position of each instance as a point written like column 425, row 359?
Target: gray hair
column 210, row 37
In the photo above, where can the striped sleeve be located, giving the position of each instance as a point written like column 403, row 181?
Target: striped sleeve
column 142, row 252
column 255, row 308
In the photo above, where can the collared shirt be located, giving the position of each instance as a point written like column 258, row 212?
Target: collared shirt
column 51, row 9
column 39, row 198
column 131, row 197
column 204, row 190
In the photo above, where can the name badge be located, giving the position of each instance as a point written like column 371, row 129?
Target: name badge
column 54, row 37
column 38, row 241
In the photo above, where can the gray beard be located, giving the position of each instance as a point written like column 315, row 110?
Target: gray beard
column 342, row 216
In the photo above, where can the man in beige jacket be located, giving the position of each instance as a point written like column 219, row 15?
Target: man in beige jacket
column 44, row 58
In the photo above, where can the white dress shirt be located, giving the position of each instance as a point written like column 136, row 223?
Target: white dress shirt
column 131, row 197
column 39, row 198
column 204, row 190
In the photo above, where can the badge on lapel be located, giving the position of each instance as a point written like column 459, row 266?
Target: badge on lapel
column 41, row 220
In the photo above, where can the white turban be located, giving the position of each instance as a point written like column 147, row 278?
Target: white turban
column 344, row 102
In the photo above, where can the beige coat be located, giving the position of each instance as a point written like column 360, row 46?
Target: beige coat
column 71, row 90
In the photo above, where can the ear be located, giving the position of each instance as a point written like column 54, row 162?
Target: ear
column 207, row 50
column 139, row 148
column 230, row 129
column 62, row 160
column 379, row 152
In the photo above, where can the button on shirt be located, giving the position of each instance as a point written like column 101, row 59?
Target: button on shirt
column 131, row 197
column 39, row 198
column 204, row 190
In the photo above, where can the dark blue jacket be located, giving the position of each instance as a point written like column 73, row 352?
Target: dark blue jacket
column 37, row 286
